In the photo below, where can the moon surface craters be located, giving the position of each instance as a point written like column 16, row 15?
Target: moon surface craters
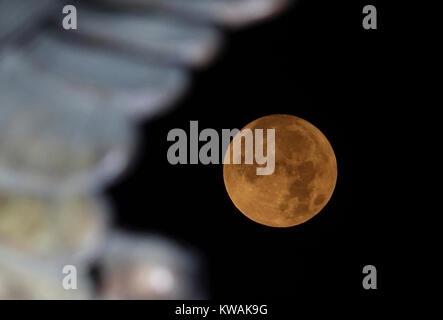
column 302, row 183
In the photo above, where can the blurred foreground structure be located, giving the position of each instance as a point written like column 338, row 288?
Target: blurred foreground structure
column 68, row 104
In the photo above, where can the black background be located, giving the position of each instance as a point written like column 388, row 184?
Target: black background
column 316, row 62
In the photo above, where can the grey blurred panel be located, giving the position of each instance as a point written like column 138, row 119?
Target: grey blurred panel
column 161, row 36
column 50, row 233
column 148, row 267
column 53, row 138
column 25, row 281
column 134, row 88
column 229, row 12
column 19, row 16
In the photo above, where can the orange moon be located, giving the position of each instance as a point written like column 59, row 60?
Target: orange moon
column 303, row 180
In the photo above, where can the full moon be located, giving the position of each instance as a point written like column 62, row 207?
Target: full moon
column 303, row 180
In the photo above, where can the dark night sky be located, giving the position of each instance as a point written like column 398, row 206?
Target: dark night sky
column 311, row 62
